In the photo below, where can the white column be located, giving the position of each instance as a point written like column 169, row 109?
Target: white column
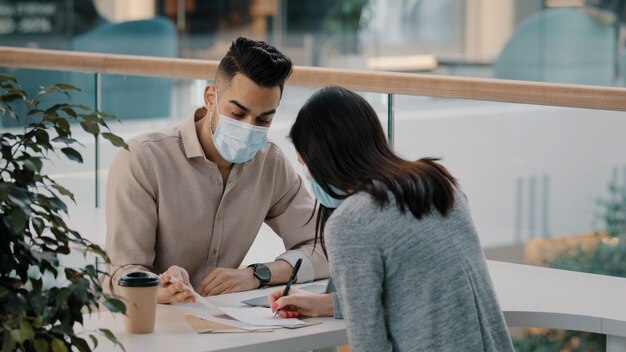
column 124, row 10
column 489, row 24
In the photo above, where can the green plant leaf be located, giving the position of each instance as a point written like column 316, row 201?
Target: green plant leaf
column 7, row 98
column 58, row 345
column 26, row 331
column 57, row 88
column 53, row 109
column 33, row 102
column 20, row 198
column 35, row 148
column 15, row 221
column 115, row 305
column 57, row 204
column 105, row 115
column 91, row 117
column 72, row 154
column 17, row 91
column 65, row 86
column 94, row 248
column 38, row 225
column 69, row 111
column 59, row 234
column 90, row 127
column 15, row 335
column 115, row 140
column 109, row 335
column 6, row 109
column 64, row 191
column 35, row 112
column 41, row 345
column 65, row 140
column 82, row 107
column 42, row 137
column 81, row 344
column 8, row 342
column 63, row 126
column 7, row 78
column 34, row 164
column 94, row 340
column 37, row 284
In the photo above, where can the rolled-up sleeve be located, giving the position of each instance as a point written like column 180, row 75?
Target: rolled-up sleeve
column 131, row 214
column 290, row 217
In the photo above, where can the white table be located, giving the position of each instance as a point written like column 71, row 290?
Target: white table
column 529, row 297
column 172, row 333
column 540, row 297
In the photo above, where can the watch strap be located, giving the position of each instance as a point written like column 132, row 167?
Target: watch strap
column 264, row 281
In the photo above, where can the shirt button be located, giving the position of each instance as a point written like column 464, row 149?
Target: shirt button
column 213, row 251
column 219, row 182
column 219, row 216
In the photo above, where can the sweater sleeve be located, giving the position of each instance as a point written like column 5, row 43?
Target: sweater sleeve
column 357, row 268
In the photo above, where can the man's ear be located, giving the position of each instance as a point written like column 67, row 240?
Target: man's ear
column 209, row 95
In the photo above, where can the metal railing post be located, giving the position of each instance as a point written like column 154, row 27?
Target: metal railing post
column 98, row 104
column 390, row 120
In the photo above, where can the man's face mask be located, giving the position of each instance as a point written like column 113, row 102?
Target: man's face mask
column 237, row 142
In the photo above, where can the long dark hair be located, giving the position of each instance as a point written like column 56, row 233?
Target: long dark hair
column 341, row 141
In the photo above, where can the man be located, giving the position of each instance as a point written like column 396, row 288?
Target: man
column 189, row 201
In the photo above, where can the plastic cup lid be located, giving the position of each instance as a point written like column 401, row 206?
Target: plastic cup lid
column 139, row 279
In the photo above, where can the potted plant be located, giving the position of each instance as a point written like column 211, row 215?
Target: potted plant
column 35, row 316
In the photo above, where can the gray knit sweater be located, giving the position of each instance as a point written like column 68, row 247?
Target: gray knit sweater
column 412, row 285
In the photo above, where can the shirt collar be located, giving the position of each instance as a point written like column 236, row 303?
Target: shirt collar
column 191, row 143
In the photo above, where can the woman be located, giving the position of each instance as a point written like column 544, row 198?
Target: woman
column 403, row 251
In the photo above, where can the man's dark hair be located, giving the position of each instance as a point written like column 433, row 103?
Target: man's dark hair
column 257, row 60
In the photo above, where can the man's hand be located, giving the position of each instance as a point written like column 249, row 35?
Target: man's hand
column 222, row 280
column 300, row 302
column 169, row 292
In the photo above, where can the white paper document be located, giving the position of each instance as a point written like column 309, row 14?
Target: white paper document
column 198, row 297
column 259, row 316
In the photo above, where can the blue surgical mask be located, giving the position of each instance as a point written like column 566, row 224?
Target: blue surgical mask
column 238, row 142
column 326, row 199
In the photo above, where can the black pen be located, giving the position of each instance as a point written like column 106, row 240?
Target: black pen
column 292, row 278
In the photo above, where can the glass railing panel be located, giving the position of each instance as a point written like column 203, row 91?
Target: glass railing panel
column 533, row 174
column 79, row 178
column 536, row 40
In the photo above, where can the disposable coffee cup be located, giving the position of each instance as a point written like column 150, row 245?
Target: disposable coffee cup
column 139, row 291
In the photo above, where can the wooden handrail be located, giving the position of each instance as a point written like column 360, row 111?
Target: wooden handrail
column 553, row 94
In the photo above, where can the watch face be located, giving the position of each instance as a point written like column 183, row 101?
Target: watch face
column 262, row 272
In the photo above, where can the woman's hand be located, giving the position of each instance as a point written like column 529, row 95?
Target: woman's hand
column 300, row 302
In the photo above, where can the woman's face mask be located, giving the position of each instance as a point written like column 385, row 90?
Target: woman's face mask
column 237, row 142
column 324, row 198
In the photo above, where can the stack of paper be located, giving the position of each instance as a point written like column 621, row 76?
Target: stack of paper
column 259, row 316
column 251, row 319
column 247, row 318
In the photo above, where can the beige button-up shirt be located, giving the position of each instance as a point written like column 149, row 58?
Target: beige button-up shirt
column 166, row 205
